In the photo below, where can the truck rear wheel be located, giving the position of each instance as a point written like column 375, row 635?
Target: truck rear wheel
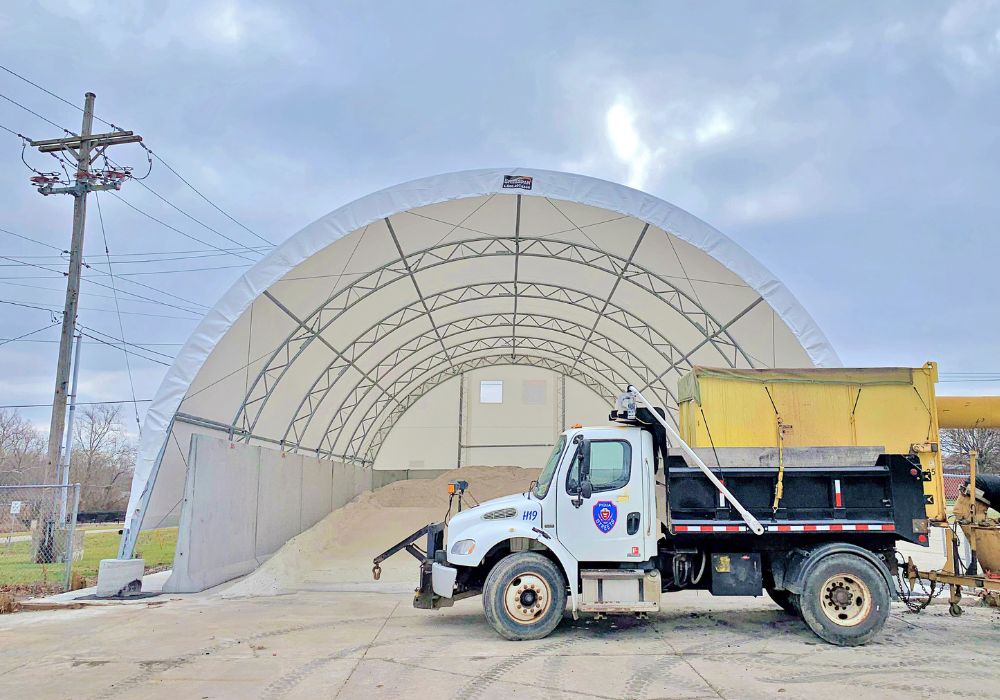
column 845, row 600
column 524, row 596
column 786, row 600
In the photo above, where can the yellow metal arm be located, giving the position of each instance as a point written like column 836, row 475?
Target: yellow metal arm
column 968, row 411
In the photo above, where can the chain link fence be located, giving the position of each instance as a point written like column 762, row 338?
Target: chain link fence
column 38, row 537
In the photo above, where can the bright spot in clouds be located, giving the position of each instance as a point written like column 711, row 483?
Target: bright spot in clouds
column 715, row 127
column 627, row 144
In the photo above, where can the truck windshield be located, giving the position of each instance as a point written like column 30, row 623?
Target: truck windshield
column 545, row 478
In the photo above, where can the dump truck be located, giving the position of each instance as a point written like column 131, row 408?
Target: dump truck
column 625, row 513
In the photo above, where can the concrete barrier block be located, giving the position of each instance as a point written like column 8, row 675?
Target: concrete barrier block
column 317, row 486
column 119, row 578
column 279, row 501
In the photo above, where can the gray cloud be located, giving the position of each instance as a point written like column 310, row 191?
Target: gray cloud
column 852, row 147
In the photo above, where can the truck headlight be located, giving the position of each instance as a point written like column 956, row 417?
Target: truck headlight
column 463, row 547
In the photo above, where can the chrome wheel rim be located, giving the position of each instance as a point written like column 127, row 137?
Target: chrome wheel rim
column 526, row 598
column 845, row 600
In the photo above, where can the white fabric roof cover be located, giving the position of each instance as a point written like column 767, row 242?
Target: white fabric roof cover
column 323, row 344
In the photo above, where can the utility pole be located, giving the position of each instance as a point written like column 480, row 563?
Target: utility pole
column 67, row 452
column 84, row 149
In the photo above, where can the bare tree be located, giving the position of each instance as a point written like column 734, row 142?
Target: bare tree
column 103, row 458
column 956, row 445
column 22, row 450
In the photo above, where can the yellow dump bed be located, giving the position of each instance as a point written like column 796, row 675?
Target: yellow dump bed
column 890, row 407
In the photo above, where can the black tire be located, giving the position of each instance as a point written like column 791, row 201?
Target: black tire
column 845, row 600
column 786, row 600
column 524, row 596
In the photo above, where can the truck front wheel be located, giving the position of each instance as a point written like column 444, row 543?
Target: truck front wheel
column 524, row 596
column 845, row 600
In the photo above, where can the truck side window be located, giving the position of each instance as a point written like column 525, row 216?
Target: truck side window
column 610, row 466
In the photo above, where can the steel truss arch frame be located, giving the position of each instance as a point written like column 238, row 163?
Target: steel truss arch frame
column 358, row 394
column 435, row 363
column 383, row 429
column 325, row 382
column 311, row 327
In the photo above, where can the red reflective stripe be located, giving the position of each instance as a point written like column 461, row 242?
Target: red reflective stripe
column 811, row 527
column 839, row 500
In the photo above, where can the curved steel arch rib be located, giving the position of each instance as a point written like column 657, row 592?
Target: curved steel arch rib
column 380, row 433
column 358, row 394
column 381, row 330
column 495, row 345
column 312, row 326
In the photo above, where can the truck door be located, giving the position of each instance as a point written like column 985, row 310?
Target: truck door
column 609, row 525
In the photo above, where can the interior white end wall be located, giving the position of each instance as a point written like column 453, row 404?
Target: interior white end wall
column 426, row 437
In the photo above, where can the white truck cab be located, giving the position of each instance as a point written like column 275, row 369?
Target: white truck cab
column 614, row 521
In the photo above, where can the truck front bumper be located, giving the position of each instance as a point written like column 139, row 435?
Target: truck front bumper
column 437, row 587
column 437, row 579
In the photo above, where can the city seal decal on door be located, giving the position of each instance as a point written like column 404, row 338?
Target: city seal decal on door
column 605, row 515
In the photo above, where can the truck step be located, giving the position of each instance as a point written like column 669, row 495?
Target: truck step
column 620, row 591
column 638, row 606
column 611, row 573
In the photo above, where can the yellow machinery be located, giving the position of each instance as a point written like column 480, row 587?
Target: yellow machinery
column 894, row 408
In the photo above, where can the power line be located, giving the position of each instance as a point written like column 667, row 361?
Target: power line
column 114, row 293
column 60, row 273
column 144, row 345
column 970, row 374
column 20, row 337
column 124, row 291
column 8, row 282
column 197, row 221
column 31, row 111
column 15, row 133
column 50, row 308
column 117, row 346
column 27, row 306
column 28, row 238
column 49, row 92
column 216, row 207
column 177, row 230
column 189, row 269
column 78, row 403
column 123, row 258
column 134, row 345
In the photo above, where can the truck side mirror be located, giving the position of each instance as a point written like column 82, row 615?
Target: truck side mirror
column 583, row 487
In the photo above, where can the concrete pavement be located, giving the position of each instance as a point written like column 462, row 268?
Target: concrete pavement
column 354, row 642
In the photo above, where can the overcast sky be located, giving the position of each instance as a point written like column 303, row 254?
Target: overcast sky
column 852, row 147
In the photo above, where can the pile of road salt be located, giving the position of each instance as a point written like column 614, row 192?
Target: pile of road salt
column 339, row 549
